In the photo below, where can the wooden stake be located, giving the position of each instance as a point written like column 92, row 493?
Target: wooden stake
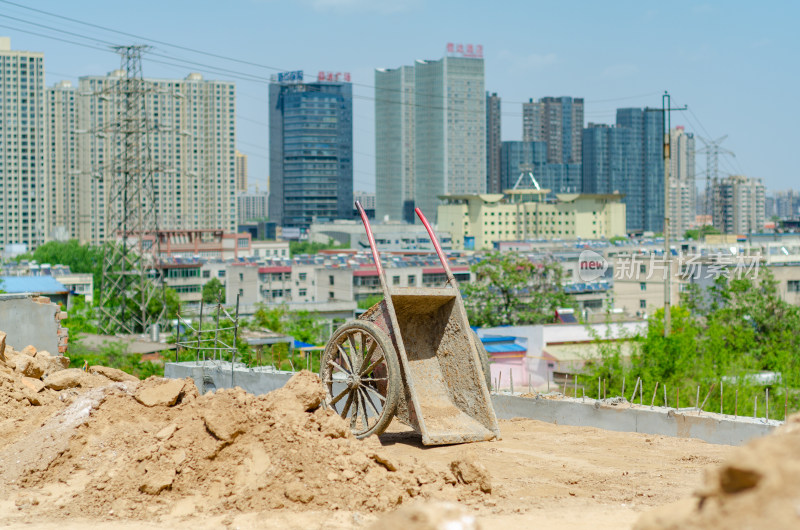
column 655, row 390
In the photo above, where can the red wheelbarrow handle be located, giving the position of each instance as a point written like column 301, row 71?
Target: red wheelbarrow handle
column 450, row 278
column 372, row 244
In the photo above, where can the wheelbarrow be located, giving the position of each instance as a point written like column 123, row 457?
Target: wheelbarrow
column 412, row 356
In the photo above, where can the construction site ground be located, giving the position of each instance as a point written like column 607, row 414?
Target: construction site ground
column 543, row 476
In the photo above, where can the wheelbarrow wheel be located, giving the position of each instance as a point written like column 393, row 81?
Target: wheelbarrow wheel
column 361, row 375
column 484, row 357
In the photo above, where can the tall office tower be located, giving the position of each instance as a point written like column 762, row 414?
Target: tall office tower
column 192, row 141
column 533, row 121
column 559, row 123
column 682, row 181
column 450, row 130
column 241, row 171
column 394, row 144
column 493, row 143
column 62, row 161
column 517, row 158
column 628, row 158
column 310, row 151
column 24, row 188
column 739, row 205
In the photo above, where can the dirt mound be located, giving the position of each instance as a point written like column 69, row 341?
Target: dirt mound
column 757, row 487
column 158, row 448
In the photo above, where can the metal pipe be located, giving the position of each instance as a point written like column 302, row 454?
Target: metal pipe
column 707, row 396
column 655, row 391
column 511, row 378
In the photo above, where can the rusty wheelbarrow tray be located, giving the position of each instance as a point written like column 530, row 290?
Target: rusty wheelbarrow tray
column 412, row 356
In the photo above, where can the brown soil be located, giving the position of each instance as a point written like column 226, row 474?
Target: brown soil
column 757, row 486
column 155, row 453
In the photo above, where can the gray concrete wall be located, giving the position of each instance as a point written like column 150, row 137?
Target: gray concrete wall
column 620, row 416
column 26, row 321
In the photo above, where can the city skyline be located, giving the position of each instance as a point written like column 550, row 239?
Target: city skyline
column 711, row 71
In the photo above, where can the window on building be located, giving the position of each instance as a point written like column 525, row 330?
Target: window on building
column 395, row 280
column 412, row 280
column 221, row 273
column 241, row 276
column 242, row 242
column 330, row 295
column 793, row 286
column 330, row 280
column 241, row 292
column 643, row 304
column 302, row 276
column 642, row 286
column 301, row 292
column 206, row 274
column 642, row 268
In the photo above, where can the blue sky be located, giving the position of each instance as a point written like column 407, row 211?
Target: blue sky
column 733, row 63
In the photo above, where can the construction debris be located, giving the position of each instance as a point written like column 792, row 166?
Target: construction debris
column 137, row 448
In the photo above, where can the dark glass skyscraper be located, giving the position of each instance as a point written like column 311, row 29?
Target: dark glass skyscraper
column 628, row 159
column 493, row 143
column 311, row 152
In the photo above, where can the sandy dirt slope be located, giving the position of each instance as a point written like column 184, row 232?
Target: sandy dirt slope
column 543, row 476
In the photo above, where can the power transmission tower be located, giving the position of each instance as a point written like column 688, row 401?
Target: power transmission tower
column 712, row 150
column 131, row 285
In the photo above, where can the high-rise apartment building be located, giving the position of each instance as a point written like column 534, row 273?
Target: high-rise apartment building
column 394, row 144
column 783, row 204
column 24, row 188
column 62, row 164
column 493, row 143
column 517, row 158
column 628, row 159
column 252, row 206
column 192, row 138
column 558, row 121
column 450, row 130
column 739, row 205
column 311, row 151
column 682, row 181
column 241, row 171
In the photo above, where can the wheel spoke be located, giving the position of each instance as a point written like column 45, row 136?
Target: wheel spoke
column 339, row 396
column 363, row 409
column 347, row 359
column 369, row 368
column 347, row 405
column 354, row 349
column 354, row 417
column 374, row 379
column 378, row 394
column 334, row 363
column 371, row 404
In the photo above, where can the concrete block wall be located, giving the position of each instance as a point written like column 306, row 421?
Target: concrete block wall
column 35, row 320
column 612, row 414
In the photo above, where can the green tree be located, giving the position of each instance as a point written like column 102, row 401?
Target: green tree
column 699, row 233
column 370, row 301
column 307, row 247
column 510, row 290
column 213, row 291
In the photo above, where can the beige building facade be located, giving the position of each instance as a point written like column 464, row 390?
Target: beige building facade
column 477, row 222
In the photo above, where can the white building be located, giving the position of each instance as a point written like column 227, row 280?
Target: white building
column 430, row 135
column 192, row 137
column 252, row 206
column 450, row 130
column 739, row 204
column 24, row 193
column 62, row 160
column 682, row 181
column 394, row 143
